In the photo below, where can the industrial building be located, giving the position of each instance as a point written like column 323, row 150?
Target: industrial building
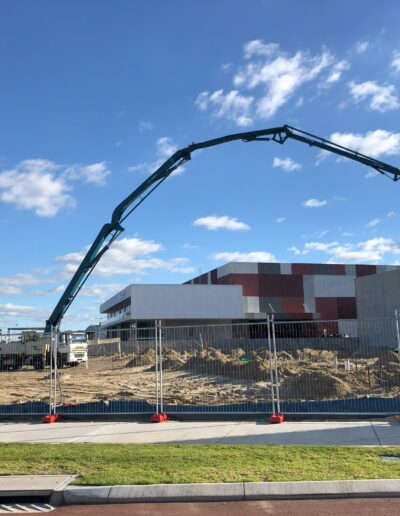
column 244, row 291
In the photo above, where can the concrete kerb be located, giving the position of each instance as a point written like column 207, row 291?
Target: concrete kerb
column 76, row 495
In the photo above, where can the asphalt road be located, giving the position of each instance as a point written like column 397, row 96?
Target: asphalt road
column 349, row 507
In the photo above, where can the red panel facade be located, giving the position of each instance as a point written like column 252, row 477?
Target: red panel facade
column 365, row 270
column 340, row 269
column 347, row 307
column 281, row 285
column 302, row 268
column 250, row 283
column 293, row 304
column 327, row 307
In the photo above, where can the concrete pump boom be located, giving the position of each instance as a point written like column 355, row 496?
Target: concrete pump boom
column 110, row 231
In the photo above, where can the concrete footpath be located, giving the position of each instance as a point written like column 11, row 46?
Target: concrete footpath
column 364, row 433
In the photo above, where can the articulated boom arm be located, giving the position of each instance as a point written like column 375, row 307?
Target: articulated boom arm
column 110, row 231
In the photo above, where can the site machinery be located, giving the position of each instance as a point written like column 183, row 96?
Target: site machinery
column 111, row 230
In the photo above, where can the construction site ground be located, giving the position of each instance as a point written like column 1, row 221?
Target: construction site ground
column 212, row 377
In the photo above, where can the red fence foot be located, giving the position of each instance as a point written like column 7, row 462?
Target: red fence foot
column 276, row 418
column 158, row 418
column 51, row 418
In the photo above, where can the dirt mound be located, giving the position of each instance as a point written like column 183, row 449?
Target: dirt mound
column 172, row 361
column 146, row 358
column 313, row 386
column 284, row 355
column 315, row 355
column 217, row 363
column 237, row 353
column 387, row 357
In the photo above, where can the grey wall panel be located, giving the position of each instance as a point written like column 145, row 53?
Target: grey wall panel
column 237, row 268
column 378, row 295
column 309, row 294
column 286, row 268
column 269, row 268
column 324, row 269
column 186, row 302
column 271, row 304
column 334, row 286
column 251, row 304
column 117, row 298
column 350, row 270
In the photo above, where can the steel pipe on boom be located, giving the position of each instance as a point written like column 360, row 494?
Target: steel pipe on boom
column 110, row 231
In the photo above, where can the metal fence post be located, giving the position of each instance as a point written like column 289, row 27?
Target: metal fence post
column 161, row 367
column 271, row 374
column 157, row 366
column 396, row 316
column 278, row 404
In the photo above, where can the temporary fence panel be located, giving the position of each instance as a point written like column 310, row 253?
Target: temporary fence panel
column 216, row 369
column 323, row 371
column 118, row 378
column 306, row 367
column 24, row 373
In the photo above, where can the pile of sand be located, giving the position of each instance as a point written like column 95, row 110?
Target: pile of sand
column 388, row 359
column 315, row 355
column 172, row 361
column 314, row 385
column 143, row 359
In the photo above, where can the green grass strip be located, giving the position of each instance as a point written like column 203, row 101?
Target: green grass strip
column 110, row 464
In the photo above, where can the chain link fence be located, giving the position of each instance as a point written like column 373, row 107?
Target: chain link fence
column 307, row 367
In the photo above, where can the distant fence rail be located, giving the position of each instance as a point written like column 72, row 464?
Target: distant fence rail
column 251, row 368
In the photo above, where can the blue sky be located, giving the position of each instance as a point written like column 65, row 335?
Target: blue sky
column 95, row 94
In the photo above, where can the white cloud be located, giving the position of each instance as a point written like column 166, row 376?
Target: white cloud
column 190, row 246
column 279, row 220
column 23, row 280
column 374, row 143
column 395, row 64
column 254, row 256
column 274, row 76
column 337, row 71
column 9, row 291
column 43, row 186
column 362, row 46
column 165, row 147
column 95, row 173
column 314, row 203
column 391, row 214
column 22, row 311
column 213, row 223
column 127, row 256
column 372, row 250
column 103, row 290
column 381, row 98
column 372, row 223
column 297, row 251
column 231, row 105
column 286, row 164
column 145, row 126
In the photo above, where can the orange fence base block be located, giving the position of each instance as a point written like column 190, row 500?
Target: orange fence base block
column 276, row 419
column 51, row 418
column 158, row 418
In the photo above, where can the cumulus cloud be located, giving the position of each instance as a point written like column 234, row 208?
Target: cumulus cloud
column 372, row 223
column 253, row 256
column 362, row 46
column 213, row 223
column 22, row 311
column 374, row 143
column 95, row 173
column 395, row 64
column 9, row 291
column 127, row 256
column 314, row 203
column 372, row 250
column 44, row 186
column 231, row 105
column 279, row 220
column 274, row 77
column 286, row 164
column 381, row 97
column 165, row 147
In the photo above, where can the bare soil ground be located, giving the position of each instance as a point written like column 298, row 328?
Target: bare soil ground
column 211, row 377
